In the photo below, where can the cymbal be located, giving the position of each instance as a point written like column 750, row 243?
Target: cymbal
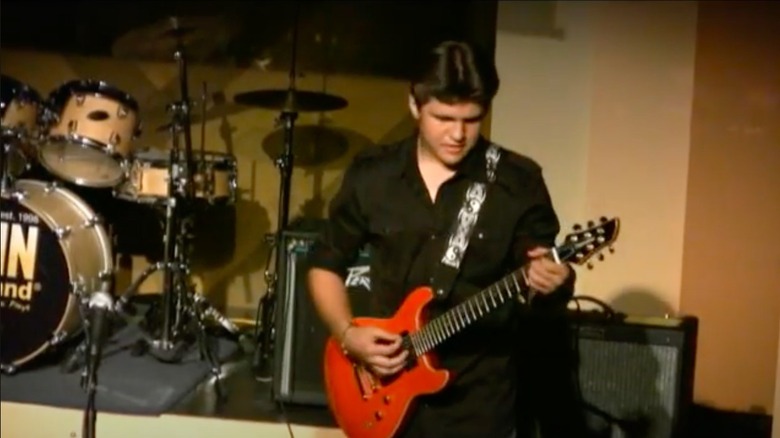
column 291, row 100
column 199, row 36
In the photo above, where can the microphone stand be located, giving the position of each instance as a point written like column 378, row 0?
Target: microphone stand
column 99, row 310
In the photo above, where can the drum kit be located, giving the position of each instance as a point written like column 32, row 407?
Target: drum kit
column 57, row 266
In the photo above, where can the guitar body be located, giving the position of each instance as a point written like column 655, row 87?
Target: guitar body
column 366, row 406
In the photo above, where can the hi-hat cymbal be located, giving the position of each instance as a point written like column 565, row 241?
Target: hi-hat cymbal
column 291, row 100
column 200, row 37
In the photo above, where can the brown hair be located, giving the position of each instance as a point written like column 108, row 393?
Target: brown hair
column 456, row 72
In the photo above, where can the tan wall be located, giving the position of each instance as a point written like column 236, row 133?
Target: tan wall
column 602, row 102
column 377, row 111
column 731, row 277
column 667, row 118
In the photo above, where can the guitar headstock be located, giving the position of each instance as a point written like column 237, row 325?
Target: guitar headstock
column 589, row 241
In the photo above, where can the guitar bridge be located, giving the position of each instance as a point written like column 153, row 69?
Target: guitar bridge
column 365, row 380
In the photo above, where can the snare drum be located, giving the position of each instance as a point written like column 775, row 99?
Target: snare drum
column 93, row 126
column 148, row 175
column 54, row 252
column 20, row 110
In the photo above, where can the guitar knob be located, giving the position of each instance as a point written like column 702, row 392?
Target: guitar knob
column 378, row 415
column 386, row 399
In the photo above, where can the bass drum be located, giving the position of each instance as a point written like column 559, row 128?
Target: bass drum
column 54, row 251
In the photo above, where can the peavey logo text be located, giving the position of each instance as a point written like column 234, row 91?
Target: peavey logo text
column 359, row 276
column 18, row 256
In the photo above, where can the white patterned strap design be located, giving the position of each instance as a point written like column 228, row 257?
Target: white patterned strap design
column 469, row 211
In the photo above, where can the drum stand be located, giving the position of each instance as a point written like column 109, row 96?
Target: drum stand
column 183, row 309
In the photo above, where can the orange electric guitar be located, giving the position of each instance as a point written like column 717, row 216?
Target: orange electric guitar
column 366, row 406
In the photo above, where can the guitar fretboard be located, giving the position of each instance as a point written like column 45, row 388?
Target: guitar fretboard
column 579, row 247
column 456, row 319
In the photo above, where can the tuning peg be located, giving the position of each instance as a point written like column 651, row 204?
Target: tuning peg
column 601, row 257
column 577, row 227
column 589, row 265
column 611, row 249
column 591, row 224
column 603, row 219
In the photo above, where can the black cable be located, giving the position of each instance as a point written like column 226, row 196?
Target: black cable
column 286, row 419
column 90, row 414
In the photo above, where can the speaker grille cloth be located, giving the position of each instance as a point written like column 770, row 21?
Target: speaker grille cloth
column 631, row 381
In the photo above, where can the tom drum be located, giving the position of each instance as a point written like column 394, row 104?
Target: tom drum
column 148, row 175
column 92, row 130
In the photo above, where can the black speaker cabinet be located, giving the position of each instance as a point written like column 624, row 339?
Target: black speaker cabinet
column 300, row 334
column 636, row 374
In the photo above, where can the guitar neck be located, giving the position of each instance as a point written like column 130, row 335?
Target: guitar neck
column 578, row 248
column 473, row 309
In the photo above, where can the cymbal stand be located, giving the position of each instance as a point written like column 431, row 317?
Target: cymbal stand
column 287, row 118
column 182, row 308
column 262, row 360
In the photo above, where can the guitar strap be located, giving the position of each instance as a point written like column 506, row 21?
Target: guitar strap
column 460, row 233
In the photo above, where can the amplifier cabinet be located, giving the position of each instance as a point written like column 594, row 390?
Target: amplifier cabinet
column 637, row 373
column 300, row 334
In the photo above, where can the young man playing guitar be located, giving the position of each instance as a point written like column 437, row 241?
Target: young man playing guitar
column 404, row 200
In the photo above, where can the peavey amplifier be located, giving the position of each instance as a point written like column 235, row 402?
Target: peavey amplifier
column 300, row 334
column 636, row 374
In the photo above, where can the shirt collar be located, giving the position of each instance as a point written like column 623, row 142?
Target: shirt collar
column 473, row 165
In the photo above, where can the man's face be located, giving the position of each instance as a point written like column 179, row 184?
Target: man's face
column 448, row 131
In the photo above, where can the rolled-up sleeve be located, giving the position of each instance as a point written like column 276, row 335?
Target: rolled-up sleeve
column 346, row 231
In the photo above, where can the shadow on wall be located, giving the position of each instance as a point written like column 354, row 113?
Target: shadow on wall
column 316, row 149
column 641, row 302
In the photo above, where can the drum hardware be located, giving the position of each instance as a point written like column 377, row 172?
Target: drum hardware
column 183, row 310
column 290, row 103
column 20, row 114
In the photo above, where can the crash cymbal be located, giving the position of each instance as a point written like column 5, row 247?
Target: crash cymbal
column 199, row 36
column 291, row 100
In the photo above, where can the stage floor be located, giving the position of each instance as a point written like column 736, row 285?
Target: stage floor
column 247, row 411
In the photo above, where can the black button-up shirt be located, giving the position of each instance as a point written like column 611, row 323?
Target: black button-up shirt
column 383, row 203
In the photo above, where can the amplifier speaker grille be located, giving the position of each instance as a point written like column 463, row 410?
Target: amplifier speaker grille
column 638, row 371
